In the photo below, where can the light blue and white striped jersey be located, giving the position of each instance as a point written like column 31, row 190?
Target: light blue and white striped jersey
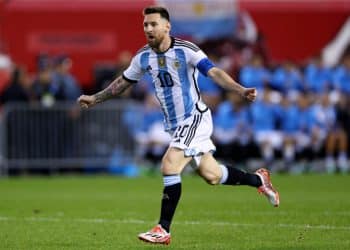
column 174, row 73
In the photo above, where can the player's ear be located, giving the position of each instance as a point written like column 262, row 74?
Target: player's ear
column 168, row 26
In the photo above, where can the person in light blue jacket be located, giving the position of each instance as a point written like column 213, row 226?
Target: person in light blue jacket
column 318, row 77
column 287, row 78
column 232, row 130
column 255, row 74
column 341, row 76
column 264, row 115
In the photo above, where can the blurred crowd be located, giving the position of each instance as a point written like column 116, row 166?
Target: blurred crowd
column 301, row 113
column 52, row 82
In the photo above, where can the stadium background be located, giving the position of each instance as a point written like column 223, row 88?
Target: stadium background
column 293, row 29
column 53, row 50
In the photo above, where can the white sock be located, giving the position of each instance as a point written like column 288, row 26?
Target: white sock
column 224, row 172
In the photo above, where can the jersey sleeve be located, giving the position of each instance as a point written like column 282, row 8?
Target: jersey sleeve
column 134, row 72
column 196, row 56
column 200, row 60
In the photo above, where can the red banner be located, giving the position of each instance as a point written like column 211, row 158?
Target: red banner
column 63, row 41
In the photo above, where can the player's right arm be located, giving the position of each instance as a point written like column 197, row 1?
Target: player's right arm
column 130, row 76
column 115, row 89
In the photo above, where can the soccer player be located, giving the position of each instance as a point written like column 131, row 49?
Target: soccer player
column 174, row 64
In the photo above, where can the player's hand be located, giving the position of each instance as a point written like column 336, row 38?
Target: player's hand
column 250, row 94
column 86, row 101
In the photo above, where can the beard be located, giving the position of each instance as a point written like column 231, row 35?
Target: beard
column 155, row 42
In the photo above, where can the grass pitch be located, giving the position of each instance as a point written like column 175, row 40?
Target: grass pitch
column 108, row 213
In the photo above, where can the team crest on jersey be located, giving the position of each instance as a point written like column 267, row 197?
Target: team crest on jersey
column 176, row 64
column 161, row 61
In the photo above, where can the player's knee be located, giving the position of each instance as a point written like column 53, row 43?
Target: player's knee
column 166, row 168
column 212, row 182
column 211, row 179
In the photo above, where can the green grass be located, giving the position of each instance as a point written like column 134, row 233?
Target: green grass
column 109, row 212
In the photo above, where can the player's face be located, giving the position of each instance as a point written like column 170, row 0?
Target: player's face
column 155, row 28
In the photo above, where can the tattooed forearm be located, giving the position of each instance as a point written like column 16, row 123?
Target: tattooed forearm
column 115, row 89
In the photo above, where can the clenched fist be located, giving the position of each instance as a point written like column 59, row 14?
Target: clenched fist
column 250, row 94
column 86, row 101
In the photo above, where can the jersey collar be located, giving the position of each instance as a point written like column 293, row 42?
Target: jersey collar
column 171, row 46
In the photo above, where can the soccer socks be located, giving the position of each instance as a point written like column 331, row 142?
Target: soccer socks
column 171, row 196
column 172, row 190
column 235, row 176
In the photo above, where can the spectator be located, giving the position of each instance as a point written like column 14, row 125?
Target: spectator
column 123, row 62
column 264, row 115
column 289, row 127
column 260, row 47
column 323, row 120
column 46, row 91
column 254, row 74
column 340, row 139
column 341, row 76
column 232, row 129
column 317, row 76
column 62, row 77
column 336, row 141
column 20, row 88
column 148, row 132
column 105, row 74
column 295, row 122
column 287, row 78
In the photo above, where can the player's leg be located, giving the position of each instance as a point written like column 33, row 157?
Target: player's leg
column 215, row 173
column 336, row 143
column 330, row 149
column 173, row 163
column 343, row 148
column 200, row 147
column 289, row 146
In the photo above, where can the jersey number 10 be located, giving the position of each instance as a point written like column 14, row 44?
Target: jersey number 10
column 165, row 79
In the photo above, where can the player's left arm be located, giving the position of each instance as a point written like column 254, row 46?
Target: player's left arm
column 207, row 68
column 225, row 81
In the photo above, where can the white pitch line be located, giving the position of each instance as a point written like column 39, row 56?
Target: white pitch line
column 277, row 213
column 209, row 223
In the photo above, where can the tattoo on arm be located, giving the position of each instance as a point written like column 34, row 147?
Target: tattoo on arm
column 115, row 89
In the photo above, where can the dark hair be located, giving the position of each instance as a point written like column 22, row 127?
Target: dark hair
column 163, row 12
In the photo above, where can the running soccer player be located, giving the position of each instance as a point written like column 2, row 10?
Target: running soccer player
column 173, row 65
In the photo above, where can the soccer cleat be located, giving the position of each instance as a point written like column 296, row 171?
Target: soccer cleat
column 156, row 235
column 266, row 188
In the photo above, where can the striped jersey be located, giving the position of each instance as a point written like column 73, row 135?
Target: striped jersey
column 174, row 73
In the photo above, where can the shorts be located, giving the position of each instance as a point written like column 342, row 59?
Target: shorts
column 273, row 137
column 302, row 140
column 193, row 134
